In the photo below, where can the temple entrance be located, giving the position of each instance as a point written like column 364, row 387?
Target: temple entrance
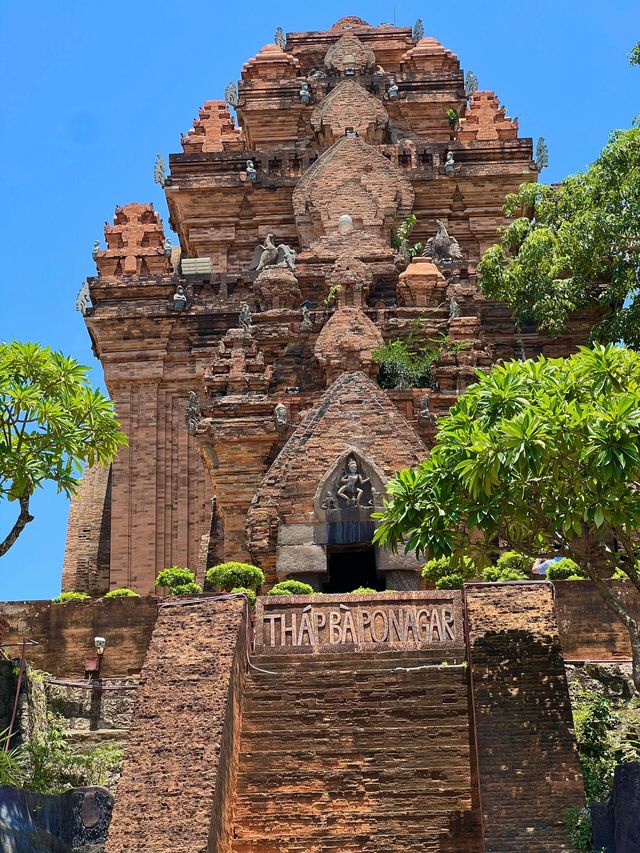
column 349, row 567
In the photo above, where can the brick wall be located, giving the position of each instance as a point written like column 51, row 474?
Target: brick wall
column 527, row 759
column 588, row 629
column 180, row 760
column 65, row 633
column 88, row 549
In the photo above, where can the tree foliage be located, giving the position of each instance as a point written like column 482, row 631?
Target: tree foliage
column 575, row 246
column 51, row 421
column 537, row 453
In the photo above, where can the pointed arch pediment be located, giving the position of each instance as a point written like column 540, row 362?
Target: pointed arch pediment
column 354, row 416
column 351, row 178
column 349, row 106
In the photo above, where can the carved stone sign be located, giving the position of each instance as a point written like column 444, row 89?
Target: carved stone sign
column 347, row 623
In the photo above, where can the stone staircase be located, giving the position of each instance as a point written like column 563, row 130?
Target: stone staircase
column 345, row 752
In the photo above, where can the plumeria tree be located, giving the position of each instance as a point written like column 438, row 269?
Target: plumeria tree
column 51, row 422
column 536, row 454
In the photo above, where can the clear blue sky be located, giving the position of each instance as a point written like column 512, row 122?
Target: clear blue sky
column 92, row 90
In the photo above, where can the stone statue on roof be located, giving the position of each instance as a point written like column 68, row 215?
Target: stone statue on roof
column 231, row 94
column 280, row 38
column 418, row 31
column 160, row 171
column 442, row 248
column 83, row 300
column 270, row 255
column 470, row 84
column 305, row 94
column 542, row 154
column 244, row 318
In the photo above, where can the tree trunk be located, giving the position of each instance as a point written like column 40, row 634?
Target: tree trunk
column 21, row 522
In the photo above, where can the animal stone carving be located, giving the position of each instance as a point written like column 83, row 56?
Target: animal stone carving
column 454, row 309
column 280, row 38
column 418, row 31
column 270, row 255
column 442, row 248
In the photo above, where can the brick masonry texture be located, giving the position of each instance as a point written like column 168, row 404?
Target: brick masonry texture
column 587, row 629
column 346, row 753
column 65, row 633
column 154, row 509
column 174, row 793
column 528, row 769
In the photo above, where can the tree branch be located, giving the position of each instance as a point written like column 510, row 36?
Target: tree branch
column 21, row 522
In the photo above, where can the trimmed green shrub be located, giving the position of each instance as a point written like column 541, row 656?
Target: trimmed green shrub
column 453, row 581
column 565, row 570
column 495, row 574
column 250, row 593
column 444, row 567
column 123, row 592
column 515, row 561
column 178, row 581
column 70, row 596
column 292, row 587
column 227, row 575
column 363, row 590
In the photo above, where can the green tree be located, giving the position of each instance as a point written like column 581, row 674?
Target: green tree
column 575, row 246
column 51, row 421
column 536, row 453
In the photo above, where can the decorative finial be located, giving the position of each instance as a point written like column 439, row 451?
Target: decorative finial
column 470, row 84
column 280, row 38
column 160, row 171
column 418, row 31
column 83, row 300
column 231, row 94
column 542, row 154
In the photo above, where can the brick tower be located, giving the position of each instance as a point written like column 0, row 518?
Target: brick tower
column 242, row 362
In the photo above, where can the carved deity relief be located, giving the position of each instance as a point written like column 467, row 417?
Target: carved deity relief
column 346, row 497
column 352, row 480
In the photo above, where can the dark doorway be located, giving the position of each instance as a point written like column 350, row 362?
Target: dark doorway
column 349, row 568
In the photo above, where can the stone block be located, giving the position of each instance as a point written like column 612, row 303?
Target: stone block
column 295, row 534
column 300, row 559
column 386, row 561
